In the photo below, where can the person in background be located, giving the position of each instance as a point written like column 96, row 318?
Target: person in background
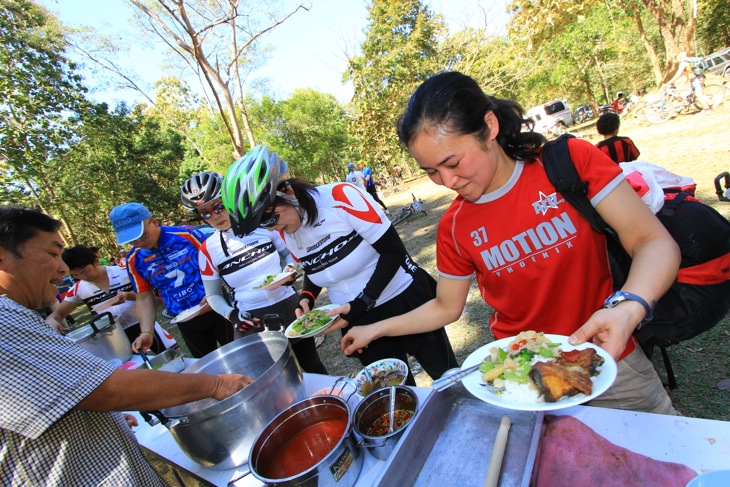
column 345, row 243
column 122, row 259
column 103, row 289
column 353, row 177
column 97, row 253
column 165, row 259
column 538, row 263
column 696, row 81
column 370, row 186
column 243, row 263
column 620, row 149
column 58, row 424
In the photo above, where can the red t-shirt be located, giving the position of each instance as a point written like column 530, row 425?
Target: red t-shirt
column 538, row 263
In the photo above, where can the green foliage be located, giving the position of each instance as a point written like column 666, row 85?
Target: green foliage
column 121, row 155
column 400, row 51
column 713, row 30
column 39, row 94
column 309, row 131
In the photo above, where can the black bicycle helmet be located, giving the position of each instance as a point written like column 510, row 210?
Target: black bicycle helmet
column 249, row 188
column 200, row 188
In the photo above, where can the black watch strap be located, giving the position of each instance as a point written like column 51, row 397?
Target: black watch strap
column 369, row 302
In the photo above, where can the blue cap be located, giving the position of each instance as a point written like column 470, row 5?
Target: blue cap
column 351, row 166
column 128, row 221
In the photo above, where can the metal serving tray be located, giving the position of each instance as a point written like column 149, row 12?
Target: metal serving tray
column 450, row 443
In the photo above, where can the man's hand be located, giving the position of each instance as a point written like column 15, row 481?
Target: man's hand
column 228, row 384
column 131, row 420
column 55, row 324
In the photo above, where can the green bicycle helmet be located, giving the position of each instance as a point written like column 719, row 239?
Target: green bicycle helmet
column 249, row 188
column 200, row 188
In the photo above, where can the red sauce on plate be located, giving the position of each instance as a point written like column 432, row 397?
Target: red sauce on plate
column 305, row 449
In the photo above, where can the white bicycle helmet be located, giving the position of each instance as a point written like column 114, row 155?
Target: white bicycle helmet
column 200, row 188
column 249, row 188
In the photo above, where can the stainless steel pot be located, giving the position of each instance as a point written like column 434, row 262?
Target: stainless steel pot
column 102, row 337
column 219, row 434
column 311, row 443
column 374, row 407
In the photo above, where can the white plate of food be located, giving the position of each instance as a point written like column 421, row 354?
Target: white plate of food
column 571, row 376
column 272, row 281
column 311, row 324
column 187, row 314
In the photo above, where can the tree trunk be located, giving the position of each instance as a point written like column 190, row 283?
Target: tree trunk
column 676, row 26
column 656, row 67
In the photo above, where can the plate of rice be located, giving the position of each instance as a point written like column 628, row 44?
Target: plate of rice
column 506, row 376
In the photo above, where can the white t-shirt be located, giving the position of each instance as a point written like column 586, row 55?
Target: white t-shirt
column 243, row 263
column 95, row 298
column 336, row 251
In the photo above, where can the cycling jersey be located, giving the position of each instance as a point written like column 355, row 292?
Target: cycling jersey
column 171, row 268
column 243, row 263
column 336, row 250
column 368, row 175
column 620, row 149
column 356, row 178
column 94, row 297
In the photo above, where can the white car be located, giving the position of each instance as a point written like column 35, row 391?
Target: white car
column 552, row 117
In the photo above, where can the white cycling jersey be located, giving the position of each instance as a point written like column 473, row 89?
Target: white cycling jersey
column 95, row 298
column 357, row 178
column 243, row 263
column 336, row 250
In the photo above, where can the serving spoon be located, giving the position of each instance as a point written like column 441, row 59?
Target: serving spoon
column 392, row 408
column 452, row 376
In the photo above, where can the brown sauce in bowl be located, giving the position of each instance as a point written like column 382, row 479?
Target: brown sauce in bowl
column 305, row 449
column 381, row 426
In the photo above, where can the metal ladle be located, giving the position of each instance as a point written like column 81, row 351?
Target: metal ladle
column 391, row 408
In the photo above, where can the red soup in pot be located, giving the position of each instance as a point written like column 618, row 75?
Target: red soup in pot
column 305, row 449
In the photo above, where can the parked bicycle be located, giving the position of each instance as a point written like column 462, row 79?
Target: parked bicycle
column 406, row 212
column 673, row 102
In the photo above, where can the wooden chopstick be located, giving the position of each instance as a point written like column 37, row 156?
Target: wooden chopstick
column 500, row 444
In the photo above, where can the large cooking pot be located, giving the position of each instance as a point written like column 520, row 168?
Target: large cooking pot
column 311, row 443
column 102, row 337
column 219, row 434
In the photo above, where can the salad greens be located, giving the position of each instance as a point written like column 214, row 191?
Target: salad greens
column 312, row 321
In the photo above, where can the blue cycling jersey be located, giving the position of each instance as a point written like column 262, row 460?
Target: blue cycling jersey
column 171, row 268
column 368, row 173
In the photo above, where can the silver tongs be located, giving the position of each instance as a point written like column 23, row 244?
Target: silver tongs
column 452, row 376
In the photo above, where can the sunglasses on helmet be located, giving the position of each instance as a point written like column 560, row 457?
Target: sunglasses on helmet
column 216, row 209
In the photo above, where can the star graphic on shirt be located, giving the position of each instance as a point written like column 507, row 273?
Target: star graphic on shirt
column 545, row 202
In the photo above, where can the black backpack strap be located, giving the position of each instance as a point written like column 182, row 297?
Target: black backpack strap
column 562, row 174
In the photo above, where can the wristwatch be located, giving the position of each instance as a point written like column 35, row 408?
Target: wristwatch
column 620, row 296
column 369, row 302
